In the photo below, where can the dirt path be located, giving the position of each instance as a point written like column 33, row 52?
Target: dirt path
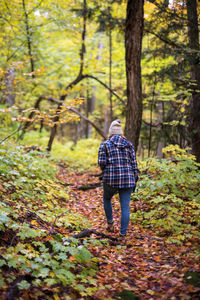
column 146, row 265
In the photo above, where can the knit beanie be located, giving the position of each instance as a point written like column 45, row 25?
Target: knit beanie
column 115, row 128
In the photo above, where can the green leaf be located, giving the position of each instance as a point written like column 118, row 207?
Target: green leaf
column 2, row 262
column 4, row 218
column 65, row 276
column 50, row 281
column 44, row 272
column 83, row 255
column 23, row 285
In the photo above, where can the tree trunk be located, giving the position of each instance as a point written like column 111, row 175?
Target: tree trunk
column 91, row 99
column 150, row 127
column 110, row 66
column 106, row 120
column 193, row 35
column 77, row 80
column 161, row 132
column 29, row 41
column 81, row 123
column 54, row 129
column 133, row 45
column 87, row 107
column 166, row 3
column 10, row 97
column 151, row 115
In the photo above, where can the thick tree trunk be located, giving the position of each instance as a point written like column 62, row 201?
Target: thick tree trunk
column 133, row 45
column 193, row 35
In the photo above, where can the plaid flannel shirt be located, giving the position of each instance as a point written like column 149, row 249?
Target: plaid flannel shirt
column 117, row 159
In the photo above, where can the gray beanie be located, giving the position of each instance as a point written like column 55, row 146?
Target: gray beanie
column 115, row 128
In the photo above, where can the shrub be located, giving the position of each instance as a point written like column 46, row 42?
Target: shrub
column 168, row 196
column 33, row 226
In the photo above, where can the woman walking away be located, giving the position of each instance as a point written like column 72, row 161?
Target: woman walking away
column 120, row 174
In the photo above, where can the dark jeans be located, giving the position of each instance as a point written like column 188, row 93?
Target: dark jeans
column 124, row 194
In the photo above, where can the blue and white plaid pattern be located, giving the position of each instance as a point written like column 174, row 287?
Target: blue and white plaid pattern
column 117, row 159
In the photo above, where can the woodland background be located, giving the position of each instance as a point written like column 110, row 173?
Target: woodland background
column 76, row 50
column 69, row 68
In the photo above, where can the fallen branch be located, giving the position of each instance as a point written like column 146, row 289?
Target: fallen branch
column 64, row 183
column 89, row 186
column 34, row 148
column 88, row 232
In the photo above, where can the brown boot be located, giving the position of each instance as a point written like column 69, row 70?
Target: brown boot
column 110, row 227
column 122, row 238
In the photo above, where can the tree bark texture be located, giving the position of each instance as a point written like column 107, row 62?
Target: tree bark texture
column 133, row 46
column 193, row 36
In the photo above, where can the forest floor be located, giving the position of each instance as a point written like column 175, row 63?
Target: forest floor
column 145, row 264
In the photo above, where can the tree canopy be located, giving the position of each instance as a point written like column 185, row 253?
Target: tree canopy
column 76, row 49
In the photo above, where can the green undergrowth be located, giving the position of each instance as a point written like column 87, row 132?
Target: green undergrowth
column 81, row 156
column 167, row 199
column 36, row 228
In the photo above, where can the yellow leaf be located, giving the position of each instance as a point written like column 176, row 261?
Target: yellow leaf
column 150, row 292
column 34, row 222
column 182, row 109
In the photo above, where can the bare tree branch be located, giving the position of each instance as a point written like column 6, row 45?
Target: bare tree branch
column 72, row 109
column 106, row 86
column 60, row 103
column 165, row 40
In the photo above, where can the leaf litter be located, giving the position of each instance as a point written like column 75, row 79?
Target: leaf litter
column 145, row 264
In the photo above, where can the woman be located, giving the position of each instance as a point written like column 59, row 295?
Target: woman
column 120, row 174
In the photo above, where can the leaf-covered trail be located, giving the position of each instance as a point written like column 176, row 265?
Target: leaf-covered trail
column 146, row 265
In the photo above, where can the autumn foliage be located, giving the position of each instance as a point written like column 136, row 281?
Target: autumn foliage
column 43, row 214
